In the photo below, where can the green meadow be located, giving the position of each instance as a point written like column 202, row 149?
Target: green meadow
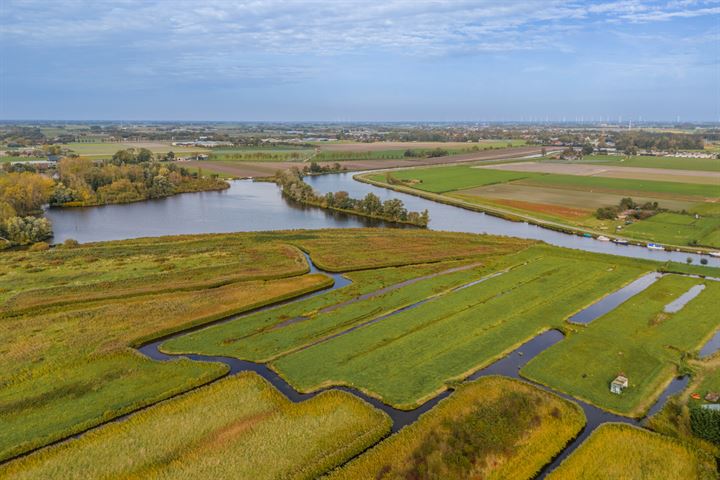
column 669, row 163
column 638, row 339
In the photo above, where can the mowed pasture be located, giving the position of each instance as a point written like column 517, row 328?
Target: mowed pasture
column 624, row 451
column 410, row 356
column 239, row 427
column 493, row 428
column 570, row 194
column 638, row 339
column 665, row 163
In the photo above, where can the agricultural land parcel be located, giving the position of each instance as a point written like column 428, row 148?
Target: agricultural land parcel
column 569, row 194
column 638, row 339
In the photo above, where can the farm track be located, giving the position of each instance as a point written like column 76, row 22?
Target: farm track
column 509, row 365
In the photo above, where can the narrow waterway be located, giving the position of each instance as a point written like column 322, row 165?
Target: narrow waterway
column 509, row 366
column 259, row 206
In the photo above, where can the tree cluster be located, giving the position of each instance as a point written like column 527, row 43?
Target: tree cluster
column 705, row 424
column 22, row 196
column 627, row 204
column 393, row 210
column 128, row 177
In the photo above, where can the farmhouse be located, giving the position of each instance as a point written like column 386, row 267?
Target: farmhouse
column 619, row 384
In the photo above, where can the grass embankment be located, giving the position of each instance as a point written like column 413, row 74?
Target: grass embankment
column 410, row 356
column 240, row 427
column 493, row 428
column 638, row 339
column 622, row 451
column 677, row 229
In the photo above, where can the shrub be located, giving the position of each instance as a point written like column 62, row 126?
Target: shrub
column 40, row 246
column 705, row 423
column 71, row 243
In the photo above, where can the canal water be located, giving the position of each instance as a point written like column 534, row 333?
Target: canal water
column 259, row 206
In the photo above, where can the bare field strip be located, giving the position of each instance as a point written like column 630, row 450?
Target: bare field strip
column 584, row 169
column 560, row 196
column 263, row 169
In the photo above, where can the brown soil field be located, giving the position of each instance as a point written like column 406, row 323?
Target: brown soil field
column 576, row 199
column 263, row 169
column 557, row 210
column 659, row 174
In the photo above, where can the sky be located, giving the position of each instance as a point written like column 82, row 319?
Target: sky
column 388, row 60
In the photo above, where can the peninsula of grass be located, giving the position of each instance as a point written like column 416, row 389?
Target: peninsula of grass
column 638, row 339
column 408, row 357
column 493, row 428
column 239, row 427
column 624, row 451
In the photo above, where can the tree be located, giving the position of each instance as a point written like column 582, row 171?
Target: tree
column 25, row 192
column 25, row 230
column 587, row 149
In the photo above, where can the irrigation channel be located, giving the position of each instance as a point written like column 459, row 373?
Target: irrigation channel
column 508, row 366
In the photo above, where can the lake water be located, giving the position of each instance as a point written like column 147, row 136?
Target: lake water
column 250, row 206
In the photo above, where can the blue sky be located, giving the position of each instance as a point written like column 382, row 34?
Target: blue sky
column 360, row 60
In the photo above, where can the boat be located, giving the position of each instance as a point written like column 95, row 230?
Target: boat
column 587, row 235
column 620, row 241
column 715, row 254
column 603, row 238
column 655, row 246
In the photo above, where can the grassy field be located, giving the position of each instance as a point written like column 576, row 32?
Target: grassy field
column 450, row 178
column 670, row 163
column 266, row 335
column 268, row 154
column 493, row 428
column 677, row 229
column 638, row 339
column 70, row 367
column 573, row 199
column 410, row 356
column 240, row 427
column 623, row 451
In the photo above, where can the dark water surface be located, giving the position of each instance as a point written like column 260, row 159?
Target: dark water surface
column 251, row 206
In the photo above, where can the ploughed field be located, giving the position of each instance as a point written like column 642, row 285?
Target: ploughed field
column 569, row 194
column 413, row 312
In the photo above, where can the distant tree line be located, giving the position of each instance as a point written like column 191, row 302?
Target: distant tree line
column 665, row 141
column 292, row 185
column 627, row 204
column 22, row 195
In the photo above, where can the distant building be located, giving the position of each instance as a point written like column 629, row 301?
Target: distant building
column 619, row 384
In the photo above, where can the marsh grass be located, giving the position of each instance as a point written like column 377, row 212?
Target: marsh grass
column 493, row 428
column 626, row 452
column 239, row 427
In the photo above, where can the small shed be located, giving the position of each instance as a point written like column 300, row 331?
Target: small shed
column 619, row 384
column 713, row 397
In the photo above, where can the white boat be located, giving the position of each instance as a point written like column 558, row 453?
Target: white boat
column 655, row 246
column 620, row 241
column 715, row 254
column 603, row 238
